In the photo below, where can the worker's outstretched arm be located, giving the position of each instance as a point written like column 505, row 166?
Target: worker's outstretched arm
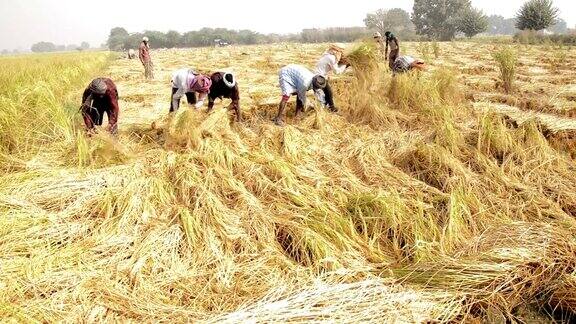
column 114, row 112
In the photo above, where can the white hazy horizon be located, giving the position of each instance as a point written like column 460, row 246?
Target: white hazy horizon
column 66, row 22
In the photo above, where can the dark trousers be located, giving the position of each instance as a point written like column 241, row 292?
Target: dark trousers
column 329, row 96
column 392, row 58
column 174, row 105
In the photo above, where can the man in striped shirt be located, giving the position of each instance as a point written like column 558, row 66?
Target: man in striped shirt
column 297, row 80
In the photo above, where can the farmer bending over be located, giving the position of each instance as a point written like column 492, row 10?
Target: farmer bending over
column 297, row 80
column 331, row 60
column 224, row 85
column 188, row 82
column 407, row 63
column 101, row 96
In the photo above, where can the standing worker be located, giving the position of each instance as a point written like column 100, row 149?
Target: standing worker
column 331, row 60
column 188, row 82
column 144, row 52
column 391, row 42
column 101, row 96
column 224, row 85
column 297, row 80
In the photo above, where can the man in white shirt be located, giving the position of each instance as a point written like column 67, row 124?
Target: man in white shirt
column 188, row 82
column 330, row 61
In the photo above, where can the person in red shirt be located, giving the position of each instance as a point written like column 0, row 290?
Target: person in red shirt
column 224, row 85
column 144, row 53
column 101, row 96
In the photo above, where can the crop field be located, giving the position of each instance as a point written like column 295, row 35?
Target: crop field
column 443, row 196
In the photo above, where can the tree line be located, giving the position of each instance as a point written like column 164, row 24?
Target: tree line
column 430, row 19
column 120, row 39
column 43, row 47
column 444, row 19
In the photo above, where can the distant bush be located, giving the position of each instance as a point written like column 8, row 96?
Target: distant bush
column 535, row 38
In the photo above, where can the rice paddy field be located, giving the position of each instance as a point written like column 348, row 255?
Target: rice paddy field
column 443, row 196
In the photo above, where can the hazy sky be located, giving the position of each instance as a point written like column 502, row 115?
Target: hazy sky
column 73, row 21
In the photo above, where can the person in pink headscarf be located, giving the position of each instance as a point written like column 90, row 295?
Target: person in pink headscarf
column 188, row 82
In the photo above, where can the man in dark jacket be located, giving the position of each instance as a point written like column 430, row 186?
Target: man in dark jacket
column 101, row 96
column 224, row 85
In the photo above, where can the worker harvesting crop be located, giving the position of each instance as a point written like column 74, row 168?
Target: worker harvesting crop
column 224, row 85
column 407, row 63
column 188, row 82
column 332, row 60
column 297, row 80
column 101, row 96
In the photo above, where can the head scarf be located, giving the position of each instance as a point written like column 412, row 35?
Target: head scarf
column 200, row 83
column 319, row 82
column 98, row 86
column 229, row 79
column 376, row 35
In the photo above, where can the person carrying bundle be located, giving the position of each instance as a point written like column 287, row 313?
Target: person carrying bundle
column 224, row 85
column 101, row 96
column 188, row 82
column 144, row 53
column 332, row 60
column 406, row 63
column 297, row 80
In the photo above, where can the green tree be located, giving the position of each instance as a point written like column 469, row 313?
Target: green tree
column 437, row 19
column 536, row 15
column 84, row 45
column 471, row 22
column 395, row 20
column 157, row 39
column 173, row 39
column 117, row 39
column 42, row 47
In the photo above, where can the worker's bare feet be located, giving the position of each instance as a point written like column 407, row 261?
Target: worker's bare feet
column 278, row 122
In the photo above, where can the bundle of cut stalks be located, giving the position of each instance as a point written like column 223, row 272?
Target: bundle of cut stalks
column 368, row 301
column 505, row 267
column 364, row 60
